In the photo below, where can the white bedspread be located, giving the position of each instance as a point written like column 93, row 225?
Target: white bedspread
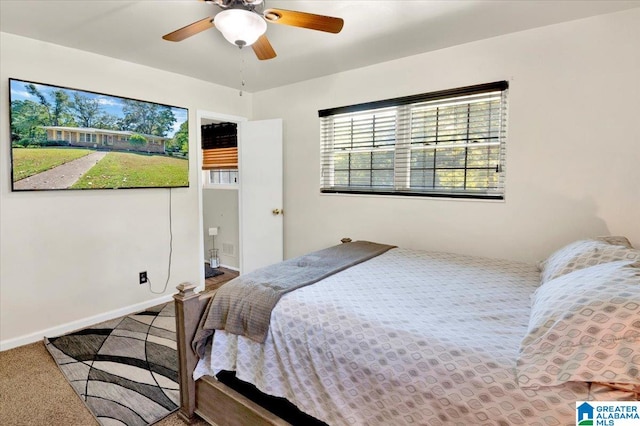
column 408, row 337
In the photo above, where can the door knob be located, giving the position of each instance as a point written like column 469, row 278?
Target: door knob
column 277, row 212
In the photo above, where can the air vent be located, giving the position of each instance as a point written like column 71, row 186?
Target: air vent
column 228, row 249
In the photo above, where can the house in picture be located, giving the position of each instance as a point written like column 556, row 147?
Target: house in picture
column 105, row 139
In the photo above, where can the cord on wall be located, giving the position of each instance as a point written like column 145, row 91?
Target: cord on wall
column 170, row 251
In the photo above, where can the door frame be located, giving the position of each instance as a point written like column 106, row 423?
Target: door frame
column 209, row 115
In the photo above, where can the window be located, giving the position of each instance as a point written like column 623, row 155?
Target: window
column 220, row 154
column 223, row 176
column 219, row 146
column 445, row 144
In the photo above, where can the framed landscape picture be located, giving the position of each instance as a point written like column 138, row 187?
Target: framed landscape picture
column 63, row 138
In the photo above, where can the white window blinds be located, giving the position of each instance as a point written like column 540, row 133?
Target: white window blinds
column 448, row 144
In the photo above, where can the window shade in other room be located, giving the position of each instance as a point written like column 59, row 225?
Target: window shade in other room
column 219, row 146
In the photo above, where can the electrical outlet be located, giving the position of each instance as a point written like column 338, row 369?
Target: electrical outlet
column 143, row 277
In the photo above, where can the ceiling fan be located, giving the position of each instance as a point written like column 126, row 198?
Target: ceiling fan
column 244, row 23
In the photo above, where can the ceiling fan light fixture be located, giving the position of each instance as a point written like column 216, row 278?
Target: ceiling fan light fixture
column 240, row 27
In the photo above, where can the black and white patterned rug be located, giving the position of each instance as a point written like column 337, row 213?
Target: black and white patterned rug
column 125, row 369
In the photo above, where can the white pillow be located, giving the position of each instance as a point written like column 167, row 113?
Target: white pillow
column 584, row 326
column 582, row 254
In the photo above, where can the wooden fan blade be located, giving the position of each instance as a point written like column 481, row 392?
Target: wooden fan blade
column 327, row 24
column 263, row 49
column 189, row 30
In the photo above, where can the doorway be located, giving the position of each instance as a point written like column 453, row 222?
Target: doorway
column 220, row 204
column 219, row 212
column 245, row 210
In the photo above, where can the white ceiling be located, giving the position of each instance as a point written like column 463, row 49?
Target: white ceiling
column 374, row 31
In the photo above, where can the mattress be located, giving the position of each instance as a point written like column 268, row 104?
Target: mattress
column 408, row 337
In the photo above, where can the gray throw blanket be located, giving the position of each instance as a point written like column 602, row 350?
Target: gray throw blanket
column 243, row 305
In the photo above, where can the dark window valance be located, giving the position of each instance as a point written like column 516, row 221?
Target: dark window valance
column 219, row 135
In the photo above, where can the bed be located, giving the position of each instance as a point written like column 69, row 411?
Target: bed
column 428, row 338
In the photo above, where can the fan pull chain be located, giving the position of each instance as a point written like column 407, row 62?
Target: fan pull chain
column 241, row 71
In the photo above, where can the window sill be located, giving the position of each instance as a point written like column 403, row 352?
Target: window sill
column 232, row 186
column 413, row 197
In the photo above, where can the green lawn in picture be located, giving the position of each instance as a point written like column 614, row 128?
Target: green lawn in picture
column 31, row 161
column 126, row 170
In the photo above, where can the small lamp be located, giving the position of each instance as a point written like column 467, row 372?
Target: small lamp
column 240, row 27
column 214, row 260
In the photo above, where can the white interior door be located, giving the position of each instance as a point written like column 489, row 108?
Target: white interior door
column 260, row 170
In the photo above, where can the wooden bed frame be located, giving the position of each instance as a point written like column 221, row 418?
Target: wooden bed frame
column 207, row 398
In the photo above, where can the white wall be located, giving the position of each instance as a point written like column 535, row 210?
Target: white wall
column 220, row 209
column 71, row 255
column 573, row 150
column 573, row 168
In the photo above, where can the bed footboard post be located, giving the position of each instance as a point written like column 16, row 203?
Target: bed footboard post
column 187, row 318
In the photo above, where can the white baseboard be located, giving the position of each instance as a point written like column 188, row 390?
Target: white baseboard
column 82, row 323
column 233, row 268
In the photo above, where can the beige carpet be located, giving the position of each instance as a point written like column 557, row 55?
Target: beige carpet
column 33, row 391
